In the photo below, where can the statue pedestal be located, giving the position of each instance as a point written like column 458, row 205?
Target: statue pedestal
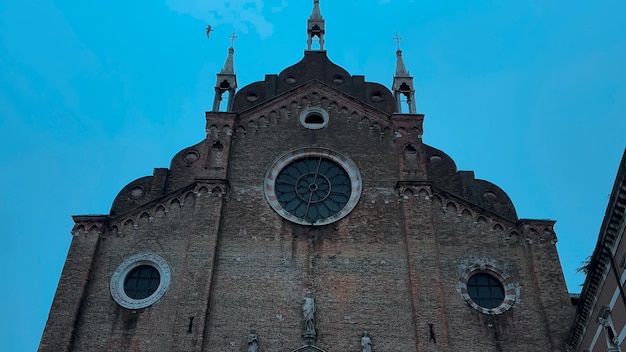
column 309, row 338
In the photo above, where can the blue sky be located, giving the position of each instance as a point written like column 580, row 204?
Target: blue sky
column 529, row 94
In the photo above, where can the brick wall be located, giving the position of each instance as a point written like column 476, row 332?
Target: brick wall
column 392, row 267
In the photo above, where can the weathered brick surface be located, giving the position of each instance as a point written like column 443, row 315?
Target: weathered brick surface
column 66, row 307
column 391, row 267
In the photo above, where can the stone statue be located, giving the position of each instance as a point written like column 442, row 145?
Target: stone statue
column 308, row 309
column 366, row 342
column 253, row 341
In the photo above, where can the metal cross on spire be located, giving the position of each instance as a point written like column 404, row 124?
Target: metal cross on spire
column 232, row 37
column 397, row 38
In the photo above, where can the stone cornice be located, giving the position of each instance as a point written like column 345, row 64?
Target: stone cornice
column 89, row 224
column 527, row 231
column 98, row 224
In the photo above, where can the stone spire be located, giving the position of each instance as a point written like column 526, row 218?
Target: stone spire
column 229, row 66
column 401, row 70
column 316, row 26
column 403, row 82
column 316, row 14
column 226, row 79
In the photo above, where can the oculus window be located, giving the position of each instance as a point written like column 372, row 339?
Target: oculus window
column 487, row 288
column 140, row 281
column 314, row 118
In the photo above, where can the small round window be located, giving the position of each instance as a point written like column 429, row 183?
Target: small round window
column 485, row 290
column 140, row 281
column 314, row 118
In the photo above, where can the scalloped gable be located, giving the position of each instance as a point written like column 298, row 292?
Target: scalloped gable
column 314, row 66
column 186, row 167
column 442, row 172
column 195, row 161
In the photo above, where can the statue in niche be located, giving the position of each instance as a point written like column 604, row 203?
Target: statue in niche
column 366, row 342
column 253, row 341
column 308, row 310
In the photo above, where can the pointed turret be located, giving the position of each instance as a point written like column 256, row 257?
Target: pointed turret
column 401, row 70
column 226, row 80
column 316, row 26
column 403, row 83
column 229, row 66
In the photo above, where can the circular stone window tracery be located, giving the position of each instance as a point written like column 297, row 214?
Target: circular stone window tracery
column 313, row 186
column 485, row 288
column 140, row 281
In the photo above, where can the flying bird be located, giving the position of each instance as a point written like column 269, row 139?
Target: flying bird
column 208, row 31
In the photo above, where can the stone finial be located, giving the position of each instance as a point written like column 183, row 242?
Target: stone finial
column 233, row 36
column 397, row 38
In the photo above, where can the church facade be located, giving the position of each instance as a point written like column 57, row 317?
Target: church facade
column 312, row 217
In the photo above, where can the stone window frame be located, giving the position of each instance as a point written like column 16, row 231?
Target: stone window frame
column 287, row 158
column 119, row 277
column 510, row 289
column 605, row 319
column 315, row 110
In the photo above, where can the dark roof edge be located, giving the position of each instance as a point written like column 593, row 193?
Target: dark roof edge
column 602, row 255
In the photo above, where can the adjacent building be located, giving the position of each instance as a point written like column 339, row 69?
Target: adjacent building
column 600, row 322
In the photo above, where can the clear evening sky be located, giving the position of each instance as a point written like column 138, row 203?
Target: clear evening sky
column 530, row 95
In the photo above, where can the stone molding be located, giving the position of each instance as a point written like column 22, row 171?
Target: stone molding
column 491, row 267
column 524, row 231
column 612, row 228
column 99, row 224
